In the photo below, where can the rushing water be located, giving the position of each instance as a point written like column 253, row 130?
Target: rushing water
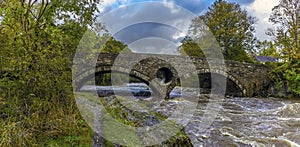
column 243, row 121
column 251, row 122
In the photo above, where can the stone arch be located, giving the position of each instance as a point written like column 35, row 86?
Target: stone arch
column 85, row 76
column 225, row 74
column 155, row 85
column 219, row 72
column 153, row 71
column 145, row 70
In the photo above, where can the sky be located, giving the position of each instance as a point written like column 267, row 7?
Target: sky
column 154, row 26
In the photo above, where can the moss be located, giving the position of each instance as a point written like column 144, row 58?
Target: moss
column 180, row 139
column 117, row 119
column 112, row 129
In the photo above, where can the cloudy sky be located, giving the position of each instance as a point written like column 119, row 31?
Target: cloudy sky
column 154, row 26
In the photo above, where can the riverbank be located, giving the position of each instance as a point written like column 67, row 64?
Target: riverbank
column 263, row 121
column 238, row 121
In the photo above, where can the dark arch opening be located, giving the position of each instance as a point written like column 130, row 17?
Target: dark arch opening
column 232, row 89
column 164, row 75
column 104, row 78
column 205, row 83
column 136, row 89
column 108, row 73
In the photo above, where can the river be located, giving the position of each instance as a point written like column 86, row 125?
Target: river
column 250, row 122
column 241, row 121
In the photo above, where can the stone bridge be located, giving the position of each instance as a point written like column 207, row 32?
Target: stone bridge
column 163, row 72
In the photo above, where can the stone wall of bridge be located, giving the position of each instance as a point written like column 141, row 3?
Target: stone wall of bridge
column 250, row 78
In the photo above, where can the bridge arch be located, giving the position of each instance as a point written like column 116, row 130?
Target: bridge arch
column 248, row 79
column 89, row 74
column 226, row 75
column 154, row 84
column 144, row 78
column 229, row 78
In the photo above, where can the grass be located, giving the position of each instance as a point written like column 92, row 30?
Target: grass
column 113, row 121
column 55, row 124
column 47, row 123
column 116, row 121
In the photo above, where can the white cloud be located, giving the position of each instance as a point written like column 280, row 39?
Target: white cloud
column 154, row 46
column 171, row 6
column 146, row 12
column 106, row 3
column 179, row 35
column 262, row 9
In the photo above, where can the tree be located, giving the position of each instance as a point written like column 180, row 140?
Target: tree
column 190, row 48
column 285, row 17
column 114, row 46
column 293, row 78
column 40, row 38
column 37, row 40
column 267, row 48
column 111, row 46
column 232, row 27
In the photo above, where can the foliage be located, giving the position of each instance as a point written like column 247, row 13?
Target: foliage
column 114, row 46
column 38, row 39
column 111, row 46
column 285, row 17
column 293, row 78
column 190, row 48
column 232, row 27
column 267, row 48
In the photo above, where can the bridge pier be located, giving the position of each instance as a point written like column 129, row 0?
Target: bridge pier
column 161, row 90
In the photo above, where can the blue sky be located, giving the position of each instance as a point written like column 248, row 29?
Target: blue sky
column 137, row 20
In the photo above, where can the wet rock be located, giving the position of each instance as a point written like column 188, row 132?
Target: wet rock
column 290, row 110
column 127, row 112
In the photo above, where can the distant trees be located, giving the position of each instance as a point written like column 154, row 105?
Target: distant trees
column 232, row 27
column 285, row 17
column 286, row 35
column 268, row 48
column 111, row 46
column 114, row 46
column 191, row 48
